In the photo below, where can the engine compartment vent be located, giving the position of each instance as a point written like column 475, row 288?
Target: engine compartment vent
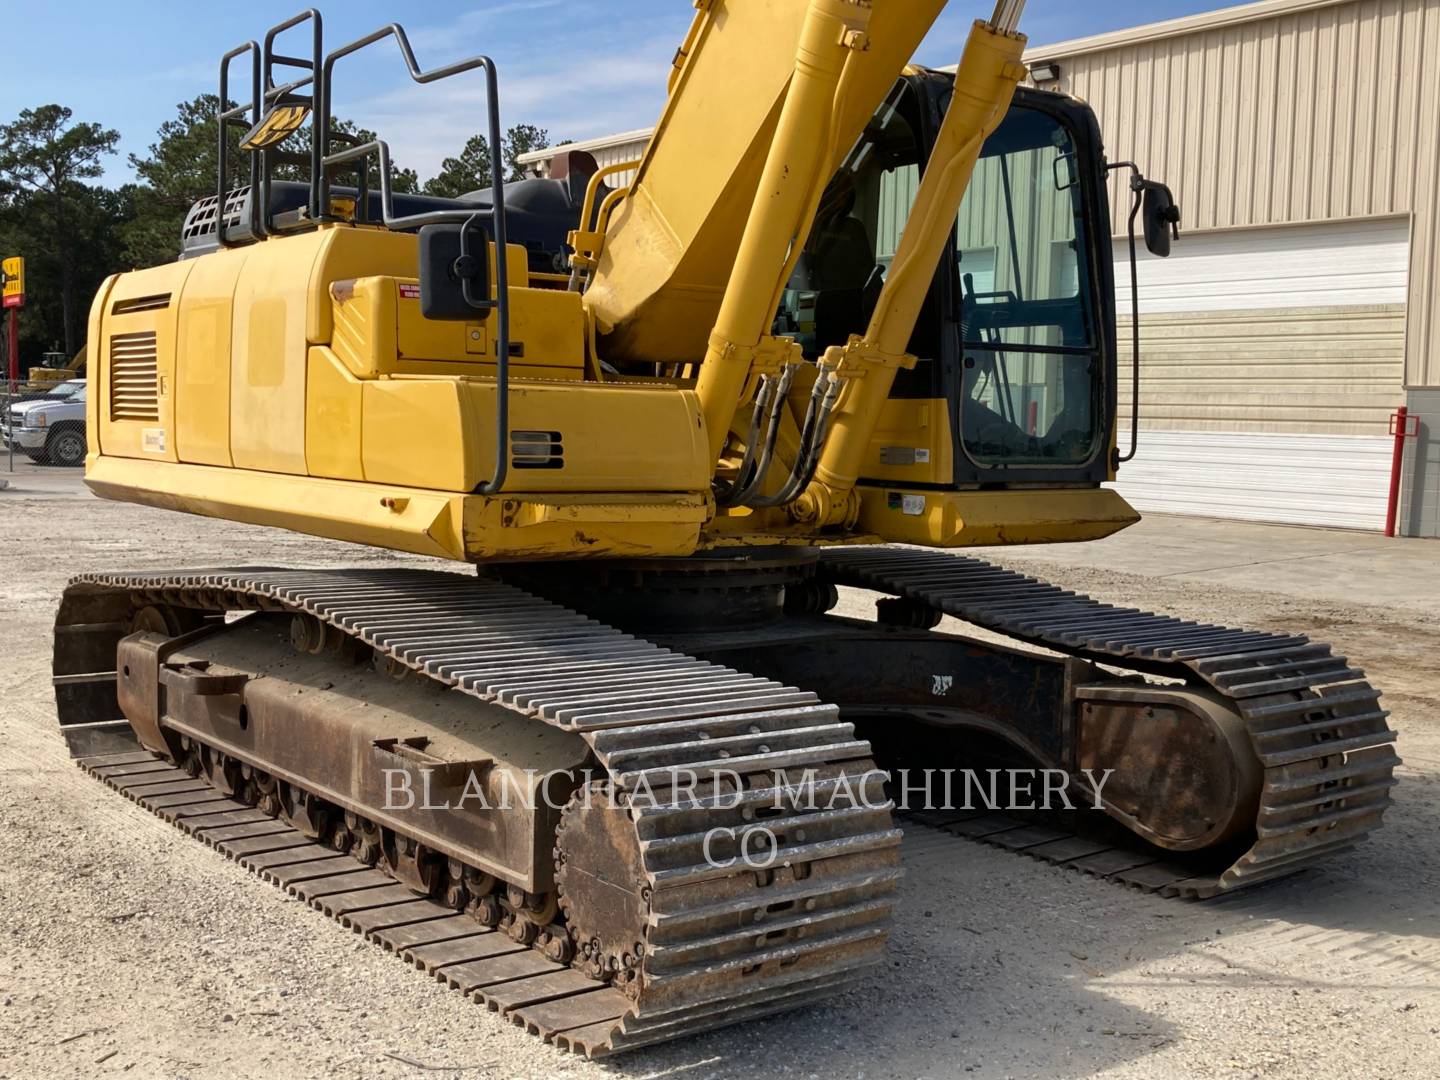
column 536, row 450
column 140, row 303
column 134, row 377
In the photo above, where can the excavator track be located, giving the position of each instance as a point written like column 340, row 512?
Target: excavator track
column 1313, row 721
column 724, row 943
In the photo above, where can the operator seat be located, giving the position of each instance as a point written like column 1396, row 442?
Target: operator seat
column 839, row 263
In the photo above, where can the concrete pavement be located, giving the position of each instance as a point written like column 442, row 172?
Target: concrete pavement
column 1328, row 564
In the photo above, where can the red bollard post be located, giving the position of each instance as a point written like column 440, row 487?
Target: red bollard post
column 1400, row 429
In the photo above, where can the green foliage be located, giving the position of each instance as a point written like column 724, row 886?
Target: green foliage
column 521, row 139
column 469, row 172
column 178, row 169
column 43, row 159
column 95, row 218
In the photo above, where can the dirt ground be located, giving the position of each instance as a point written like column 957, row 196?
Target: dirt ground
column 129, row 948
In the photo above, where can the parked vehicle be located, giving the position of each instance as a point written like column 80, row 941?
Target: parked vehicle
column 50, row 427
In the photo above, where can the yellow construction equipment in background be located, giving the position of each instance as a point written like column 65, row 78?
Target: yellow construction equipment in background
column 843, row 301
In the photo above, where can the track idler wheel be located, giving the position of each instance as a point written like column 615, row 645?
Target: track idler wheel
column 907, row 613
column 604, row 890
column 1182, row 772
column 165, row 620
column 811, row 597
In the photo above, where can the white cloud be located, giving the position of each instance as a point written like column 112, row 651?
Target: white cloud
column 559, row 86
column 469, row 23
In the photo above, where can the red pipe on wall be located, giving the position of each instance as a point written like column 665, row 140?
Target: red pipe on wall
column 1400, row 429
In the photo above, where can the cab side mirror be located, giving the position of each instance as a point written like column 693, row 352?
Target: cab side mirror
column 455, row 272
column 1161, row 217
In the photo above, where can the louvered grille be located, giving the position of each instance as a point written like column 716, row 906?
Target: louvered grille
column 140, row 303
column 536, row 450
column 134, row 380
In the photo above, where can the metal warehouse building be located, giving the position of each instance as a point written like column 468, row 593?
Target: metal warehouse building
column 1300, row 310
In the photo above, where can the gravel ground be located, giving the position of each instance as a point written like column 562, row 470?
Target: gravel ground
column 128, row 948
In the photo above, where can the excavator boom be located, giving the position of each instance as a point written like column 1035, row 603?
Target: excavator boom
column 672, row 244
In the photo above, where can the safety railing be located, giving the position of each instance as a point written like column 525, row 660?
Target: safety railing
column 275, row 111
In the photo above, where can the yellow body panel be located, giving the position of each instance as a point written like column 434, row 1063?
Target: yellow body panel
column 970, row 518
column 282, row 306
column 140, row 325
column 267, row 368
column 913, row 443
column 202, row 383
column 438, row 433
column 334, row 404
column 443, row 524
column 370, row 423
column 378, row 330
column 99, row 371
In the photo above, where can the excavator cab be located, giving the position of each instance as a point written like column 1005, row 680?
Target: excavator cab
column 1016, row 357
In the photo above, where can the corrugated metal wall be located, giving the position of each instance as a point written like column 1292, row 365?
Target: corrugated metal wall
column 1420, row 492
column 618, row 154
column 1321, row 114
column 1298, row 329
column 1303, row 370
column 1331, row 480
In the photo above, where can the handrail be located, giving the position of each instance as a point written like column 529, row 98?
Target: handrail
column 592, row 187
column 317, row 100
column 265, row 92
column 1138, row 190
column 226, row 118
column 320, row 198
column 591, row 235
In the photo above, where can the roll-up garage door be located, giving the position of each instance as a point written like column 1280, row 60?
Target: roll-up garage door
column 1271, row 361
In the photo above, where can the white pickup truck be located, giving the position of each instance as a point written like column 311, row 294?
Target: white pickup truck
column 50, row 427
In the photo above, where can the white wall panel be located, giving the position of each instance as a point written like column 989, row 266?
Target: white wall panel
column 1299, row 266
column 1334, row 481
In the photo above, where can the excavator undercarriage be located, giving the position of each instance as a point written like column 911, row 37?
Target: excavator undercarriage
column 560, row 838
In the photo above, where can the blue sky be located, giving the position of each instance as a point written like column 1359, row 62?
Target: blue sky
column 127, row 65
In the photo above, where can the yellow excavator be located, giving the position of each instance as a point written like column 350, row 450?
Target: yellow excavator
column 625, row 776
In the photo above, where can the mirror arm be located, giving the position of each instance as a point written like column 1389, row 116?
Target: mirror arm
column 1137, row 187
